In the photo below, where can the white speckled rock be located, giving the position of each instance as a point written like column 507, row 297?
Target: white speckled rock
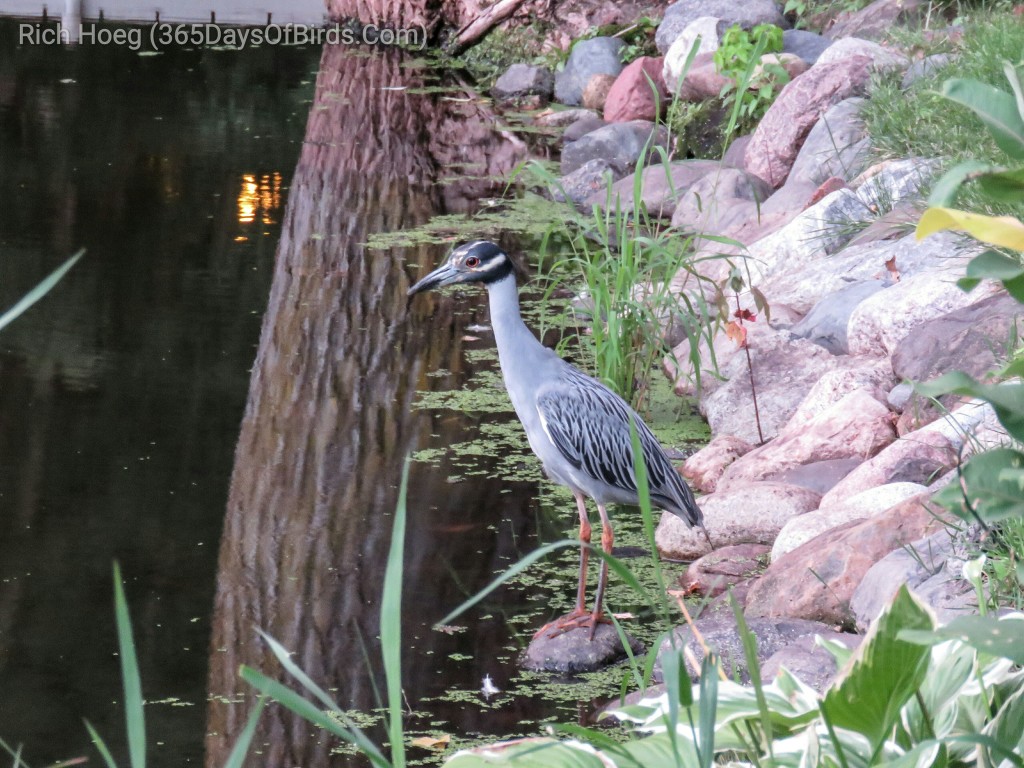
column 882, row 58
column 747, row 513
column 885, row 318
column 872, row 502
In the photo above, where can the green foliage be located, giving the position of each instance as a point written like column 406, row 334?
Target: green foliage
column 921, row 121
column 753, row 85
column 625, row 261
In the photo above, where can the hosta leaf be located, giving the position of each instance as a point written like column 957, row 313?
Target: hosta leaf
column 996, row 108
column 884, row 673
column 1003, row 231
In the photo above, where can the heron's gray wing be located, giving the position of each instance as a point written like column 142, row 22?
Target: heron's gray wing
column 589, row 425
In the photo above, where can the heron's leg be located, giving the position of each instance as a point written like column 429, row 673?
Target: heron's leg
column 581, row 588
column 607, row 542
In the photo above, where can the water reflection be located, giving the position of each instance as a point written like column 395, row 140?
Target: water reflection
column 329, row 422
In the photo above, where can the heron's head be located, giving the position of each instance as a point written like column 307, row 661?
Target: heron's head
column 479, row 261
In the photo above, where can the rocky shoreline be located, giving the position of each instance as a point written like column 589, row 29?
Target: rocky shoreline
column 830, row 482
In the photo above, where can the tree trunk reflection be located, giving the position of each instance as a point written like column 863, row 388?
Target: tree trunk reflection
column 328, row 422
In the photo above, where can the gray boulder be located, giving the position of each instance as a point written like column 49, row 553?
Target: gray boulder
column 524, row 80
column 598, row 56
column 573, row 652
column 924, row 67
column 721, row 635
column 621, row 144
column 807, row 45
column 750, row 13
column 837, row 145
column 589, row 179
column 826, row 323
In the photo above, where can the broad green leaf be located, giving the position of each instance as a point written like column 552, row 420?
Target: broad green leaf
column 134, row 714
column 656, row 750
column 1003, row 231
column 997, row 637
column 1003, row 186
column 996, row 108
column 529, row 753
column 884, row 673
column 39, row 291
column 944, row 190
column 1006, row 399
column 391, row 625
column 1007, row 727
column 994, row 493
column 1013, row 76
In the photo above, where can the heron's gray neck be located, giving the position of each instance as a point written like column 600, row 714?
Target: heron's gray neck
column 510, row 332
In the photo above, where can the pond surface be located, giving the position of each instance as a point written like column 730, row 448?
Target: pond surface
column 222, row 394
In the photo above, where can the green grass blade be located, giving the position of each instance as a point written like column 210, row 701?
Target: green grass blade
column 237, row 757
column 101, row 746
column 754, row 667
column 708, row 708
column 391, row 625
column 135, row 717
column 288, row 698
column 39, row 291
column 285, row 658
column 14, row 753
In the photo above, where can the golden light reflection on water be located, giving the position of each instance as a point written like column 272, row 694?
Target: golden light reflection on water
column 259, row 200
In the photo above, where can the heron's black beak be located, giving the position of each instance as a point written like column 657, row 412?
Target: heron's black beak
column 443, row 275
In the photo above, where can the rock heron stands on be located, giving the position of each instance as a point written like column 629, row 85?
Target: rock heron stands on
column 579, row 429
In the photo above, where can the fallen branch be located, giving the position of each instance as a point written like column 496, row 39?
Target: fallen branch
column 483, row 24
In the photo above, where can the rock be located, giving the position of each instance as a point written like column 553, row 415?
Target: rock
column 826, row 323
column 967, row 339
column 573, row 652
column 808, row 661
column 702, row 80
column 924, row 67
column 660, row 186
column 780, row 134
column 920, row 457
column 882, row 59
column 812, row 277
column 880, row 322
column 709, row 30
column 524, row 80
column 595, row 92
column 807, row 45
column 817, row 580
column 837, row 145
column 965, row 421
column 784, row 367
column 582, row 127
column 638, row 93
column 885, row 184
column 747, row 513
column 619, row 143
column 870, row 375
column 713, row 573
column 721, row 635
column 597, row 56
column 877, row 19
column 869, row 503
column 704, row 467
column 820, row 230
column 792, row 64
column 590, row 178
column 708, row 204
column 560, row 118
column 818, row 476
column 748, row 14
column 857, row 426
column 899, row 395
column 922, row 566
column 733, row 156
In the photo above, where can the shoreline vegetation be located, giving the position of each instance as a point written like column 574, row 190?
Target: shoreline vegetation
column 864, row 458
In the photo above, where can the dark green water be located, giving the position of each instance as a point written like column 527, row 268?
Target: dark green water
column 221, row 395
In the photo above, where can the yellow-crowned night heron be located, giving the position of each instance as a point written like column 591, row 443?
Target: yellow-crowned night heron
column 578, row 427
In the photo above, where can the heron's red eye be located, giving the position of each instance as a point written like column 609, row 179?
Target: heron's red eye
column 472, row 262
